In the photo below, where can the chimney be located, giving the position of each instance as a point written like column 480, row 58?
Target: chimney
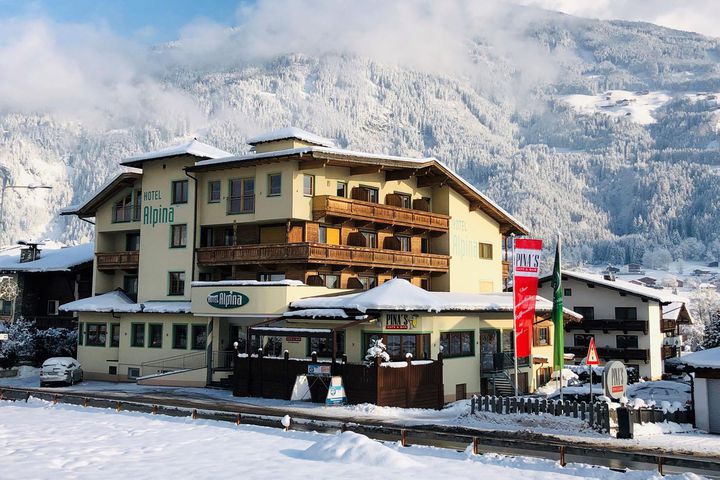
column 609, row 276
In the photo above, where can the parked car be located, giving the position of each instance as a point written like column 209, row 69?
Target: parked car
column 60, row 370
column 660, row 391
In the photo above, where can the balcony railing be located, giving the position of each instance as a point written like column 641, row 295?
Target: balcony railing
column 118, row 260
column 669, row 352
column 499, row 361
column 668, row 325
column 327, row 205
column 608, row 325
column 608, row 353
column 321, row 253
column 129, row 213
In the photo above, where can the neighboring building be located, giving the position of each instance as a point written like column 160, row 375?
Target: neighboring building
column 47, row 275
column 705, row 366
column 196, row 227
column 635, row 324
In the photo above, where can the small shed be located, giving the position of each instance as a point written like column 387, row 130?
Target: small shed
column 705, row 366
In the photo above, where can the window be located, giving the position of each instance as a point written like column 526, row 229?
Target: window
column 125, row 210
column 399, row 345
column 214, row 191
column 583, row 339
column 242, row 196
column 130, row 285
column 458, row 344
column 274, row 184
column 178, row 236
column 177, row 283
column 271, row 277
column 626, row 313
column 405, row 200
column 588, row 313
column 52, row 307
column 341, row 189
column 96, row 334
column 567, row 292
column 199, row 337
column 486, row 251
column 331, row 281
column 425, row 283
column 323, row 345
column 180, row 191
column 115, row 335
column 373, row 194
column 425, row 245
column 155, row 335
column 81, row 333
column 368, row 282
column 112, row 370
column 626, row 341
column 133, row 372
column 137, row 335
column 404, row 243
column 370, row 239
column 5, row 307
column 308, row 185
column 132, row 242
column 180, row 340
column 329, row 235
column 542, row 336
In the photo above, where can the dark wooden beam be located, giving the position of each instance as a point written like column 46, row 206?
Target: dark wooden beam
column 310, row 164
column 399, row 174
column 431, row 181
column 365, row 170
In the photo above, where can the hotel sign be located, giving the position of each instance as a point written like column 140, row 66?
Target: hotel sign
column 227, row 299
column 401, row 321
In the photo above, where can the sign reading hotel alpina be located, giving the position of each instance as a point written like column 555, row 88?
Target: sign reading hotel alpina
column 227, row 299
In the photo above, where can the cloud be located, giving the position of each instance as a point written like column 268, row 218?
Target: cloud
column 691, row 15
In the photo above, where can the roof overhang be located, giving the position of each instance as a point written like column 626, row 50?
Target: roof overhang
column 88, row 209
column 617, row 288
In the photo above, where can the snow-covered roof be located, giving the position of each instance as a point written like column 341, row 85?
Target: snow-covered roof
column 677, row 311
column 109, row 188
column 193, row 147
column 248, row 283
column 54, row 257
column 117, row 302
column 291, row 132
column 621, row 285
column 400, row 295
column 709, row 358
column 318, row 313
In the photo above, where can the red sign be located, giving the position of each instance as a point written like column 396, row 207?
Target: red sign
column 526, row 269
column 293, row 339
column 592, row 356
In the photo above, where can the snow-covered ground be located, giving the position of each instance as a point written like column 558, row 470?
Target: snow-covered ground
column 637, row 106
column 41, row 440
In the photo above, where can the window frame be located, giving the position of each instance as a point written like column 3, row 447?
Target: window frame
column 370, row 234
column 6, row 307
column 135, row 236
column 422, row 339
column 405, row 243
column 312, row 185
column 447, row 347
column 341, row 347
column 114, row 327
column 344, row 189
column 579, row 335
column 270, row 274
column 173, row 228
column 175, row 327
column 366, row 280
column 591, row 317
column 372, row 191
column 99, row 332
column 55, row 311
column 185, row 192
column 150, row 331
column 485, row 251
column 270, row 176
column 625, row 337
column 170, row 291
column 211, row 184
column 192, row 344
column 406, row 199
column 242, row 198
column 133, row 334
column 626, row 309
column 537, row 337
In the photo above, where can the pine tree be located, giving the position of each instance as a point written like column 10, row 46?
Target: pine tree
column 712, row 332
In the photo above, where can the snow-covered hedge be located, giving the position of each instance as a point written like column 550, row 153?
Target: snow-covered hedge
column 27, row 343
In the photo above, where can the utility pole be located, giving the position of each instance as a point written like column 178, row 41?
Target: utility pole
column 5, row 186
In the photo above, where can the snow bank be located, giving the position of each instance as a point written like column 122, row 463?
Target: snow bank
column 25, row 371
column 350, row 447
column 651, row 429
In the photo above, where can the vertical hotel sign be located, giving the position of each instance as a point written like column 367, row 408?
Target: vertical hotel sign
column 526, row 270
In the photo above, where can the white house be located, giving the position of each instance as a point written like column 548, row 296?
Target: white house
column 632, row 323
column 706, row 386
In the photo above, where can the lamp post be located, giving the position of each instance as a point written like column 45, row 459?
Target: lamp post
column 5, row 186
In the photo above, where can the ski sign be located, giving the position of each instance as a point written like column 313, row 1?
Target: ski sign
column 592, row 355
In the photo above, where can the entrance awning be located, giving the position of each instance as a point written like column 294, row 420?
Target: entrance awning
column 293, row 332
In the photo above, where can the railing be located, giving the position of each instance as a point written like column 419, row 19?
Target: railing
column 223, row 360
column 609, row 324
column 668, row 352
column 321, row 253
column 499, row 361
column 187, row 361
column 668, row 325
column 324, row 205
column 610, row 353
column 241, row 204
column 117, row 260
column 129, row 213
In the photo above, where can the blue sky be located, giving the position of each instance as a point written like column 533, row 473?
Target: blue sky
column 149, row 21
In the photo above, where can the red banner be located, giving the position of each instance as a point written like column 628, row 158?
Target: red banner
column 525, row 284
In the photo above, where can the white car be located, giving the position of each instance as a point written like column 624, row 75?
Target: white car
column 60, row 370
column 660, row 391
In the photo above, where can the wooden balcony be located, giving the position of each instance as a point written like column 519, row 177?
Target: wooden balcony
column 339, row 207
column 609, row 325
column 320, row 253
column 668, row 325
column 669, row 352
column 118, row 260
column 607, row 353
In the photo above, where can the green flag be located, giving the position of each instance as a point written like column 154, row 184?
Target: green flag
column 557, row 313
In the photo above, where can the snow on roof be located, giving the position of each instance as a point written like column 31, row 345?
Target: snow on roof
column 291, row 132
column 115, row 301
column 54, row 257
column 672, row 311
column 399, row 294
column 709, row 358
column 318, row 312
column 193, row 147
column 248, row 283
column 623, row 285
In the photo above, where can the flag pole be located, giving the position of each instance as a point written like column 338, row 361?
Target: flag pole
column 562, row 358
column 515, row 332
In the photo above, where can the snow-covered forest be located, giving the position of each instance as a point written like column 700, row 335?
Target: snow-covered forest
column 611, row 134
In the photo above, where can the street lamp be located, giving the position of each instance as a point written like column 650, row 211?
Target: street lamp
column 5, row 186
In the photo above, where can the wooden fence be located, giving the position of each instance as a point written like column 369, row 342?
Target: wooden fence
column 602, row 415
column 409, row 386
